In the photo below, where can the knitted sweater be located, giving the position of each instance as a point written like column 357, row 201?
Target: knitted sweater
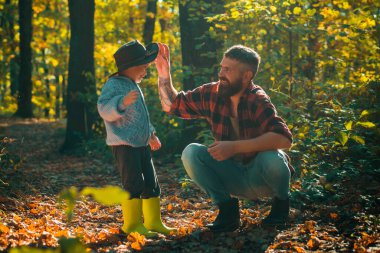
column 125, row 125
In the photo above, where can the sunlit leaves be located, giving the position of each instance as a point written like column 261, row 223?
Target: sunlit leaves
column 297, row 10
column 364, row 113
column 71, row 245
column 69, row 196
column 343, row 138
column 348, row 125
column 366, row 124
column 67, row 245
column 109, row 195
column 25, row 249
column 358, row 139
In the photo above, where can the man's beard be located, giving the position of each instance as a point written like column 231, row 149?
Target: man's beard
column 227, row 89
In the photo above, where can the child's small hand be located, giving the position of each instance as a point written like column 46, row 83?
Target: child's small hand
column 154, row 142
column 131, row 97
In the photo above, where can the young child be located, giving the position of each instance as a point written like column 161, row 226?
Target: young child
column 129, row 133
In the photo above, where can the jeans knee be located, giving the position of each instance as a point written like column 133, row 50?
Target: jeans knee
column 191, row 152
column 273, row 163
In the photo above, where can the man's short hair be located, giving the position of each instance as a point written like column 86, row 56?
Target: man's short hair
column 244, row 55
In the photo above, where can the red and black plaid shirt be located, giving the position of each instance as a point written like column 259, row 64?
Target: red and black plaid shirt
column 256, row 114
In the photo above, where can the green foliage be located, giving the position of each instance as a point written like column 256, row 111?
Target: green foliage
column 66, row 245
column 334, row 141
column 25, row 249
column 108, row 195
column 71, row 245
column 69, row 196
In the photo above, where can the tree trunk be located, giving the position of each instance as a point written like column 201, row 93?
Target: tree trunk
column 47, row 83
column 81, row 94
column 24, row 104
column 58, row 94
column 150, row 20
column 200, row 52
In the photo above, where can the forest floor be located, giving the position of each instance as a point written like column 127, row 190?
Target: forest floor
column 31, row 215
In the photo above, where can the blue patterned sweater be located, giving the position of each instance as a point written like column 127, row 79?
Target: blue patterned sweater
column 124, row 125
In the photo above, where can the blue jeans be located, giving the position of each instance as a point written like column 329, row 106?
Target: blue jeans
column 266, row 175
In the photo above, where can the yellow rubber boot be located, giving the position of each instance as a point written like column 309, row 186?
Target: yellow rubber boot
column 152, row 216
column 132, row 215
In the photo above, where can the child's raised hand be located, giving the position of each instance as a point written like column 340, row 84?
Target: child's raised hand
column 154, row 142
column 130, row 98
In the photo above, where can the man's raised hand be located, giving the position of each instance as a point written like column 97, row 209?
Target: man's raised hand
column 163, row 61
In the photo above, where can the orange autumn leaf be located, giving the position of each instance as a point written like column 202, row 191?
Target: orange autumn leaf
column 182, row 231
column 114, row 230
column 137, row 240
column 299, row 249
column 359, row 248
column 17, row 218
column 310, row 225
column 169, row 207
column 313, row 243
column 79, row 231
column 102, row 236
column 62, row 233
column 4, row 229
column 32, row 205
column 334, row 216
column 136, row 237
column 198, row 222
column 367, row 239
column 136, row 246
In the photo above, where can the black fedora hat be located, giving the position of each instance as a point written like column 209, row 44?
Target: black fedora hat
column 134, row 53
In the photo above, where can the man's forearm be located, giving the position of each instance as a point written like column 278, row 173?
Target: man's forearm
column 166, row 92
column 265, row 142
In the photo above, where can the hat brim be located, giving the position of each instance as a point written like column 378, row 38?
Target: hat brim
column 151, row 55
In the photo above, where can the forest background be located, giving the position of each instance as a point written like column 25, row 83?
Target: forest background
column 320, row 66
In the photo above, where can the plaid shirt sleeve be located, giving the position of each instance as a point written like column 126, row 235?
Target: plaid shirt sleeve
column 192, row 104
column 269, row 121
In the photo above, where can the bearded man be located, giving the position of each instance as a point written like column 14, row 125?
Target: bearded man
column 246, row 160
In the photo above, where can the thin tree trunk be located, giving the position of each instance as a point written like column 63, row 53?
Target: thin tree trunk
column 25, row 109
column 58, row 94
column 47, row 85
column 290, row 62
